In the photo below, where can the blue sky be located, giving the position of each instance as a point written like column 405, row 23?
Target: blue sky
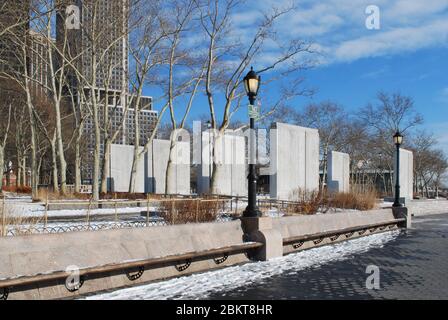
column 408, row 54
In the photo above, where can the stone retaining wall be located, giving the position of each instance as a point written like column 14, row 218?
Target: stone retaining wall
column 313, row 224
column 35, row 254
column 428, row 207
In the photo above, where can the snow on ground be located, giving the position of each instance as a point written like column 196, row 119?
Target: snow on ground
column 22, row 206
column 385, row 204
column 200, row 286
column 31, row 211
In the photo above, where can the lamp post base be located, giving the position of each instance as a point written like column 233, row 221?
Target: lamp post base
column 261, row 230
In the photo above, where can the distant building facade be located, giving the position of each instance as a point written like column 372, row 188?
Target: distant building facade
column 14, row 18
column 104, row 29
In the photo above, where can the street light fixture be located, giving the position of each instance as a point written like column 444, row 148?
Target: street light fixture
column 252, row 85
column 398, row 140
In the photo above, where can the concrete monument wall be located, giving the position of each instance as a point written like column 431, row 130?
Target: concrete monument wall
column 230, row 158
column 181, row 162
column 406, row 174
column 294, row 160
column 338, row 176
column 121, row 165
column 152, row 168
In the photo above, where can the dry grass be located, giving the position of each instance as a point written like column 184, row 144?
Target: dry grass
column 355, row 200
column 190, row 211
column 10, row 219
column 44, row 194
column 306, row 203
column 17, row 189
column 128, row 196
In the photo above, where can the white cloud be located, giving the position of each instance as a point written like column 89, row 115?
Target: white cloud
column 410, row 9
column 338, row 26
column 393, row 41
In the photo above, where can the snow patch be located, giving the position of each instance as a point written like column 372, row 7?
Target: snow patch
column 200, row 286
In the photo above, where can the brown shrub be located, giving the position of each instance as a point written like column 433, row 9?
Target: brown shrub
column 306, row 203
column 43, row 194
column 356, row 200
column 190, row 211
column 17, row 189
column 11, row 219
column 126, row 195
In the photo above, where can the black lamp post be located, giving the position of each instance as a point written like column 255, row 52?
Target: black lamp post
column 252, row 85
column 210, row 150
column 398, row 140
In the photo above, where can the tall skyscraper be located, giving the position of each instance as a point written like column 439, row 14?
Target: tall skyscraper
column 101, row 48
column 100, row 44
column 39, row 64
column 14, row 25
column 14, row 17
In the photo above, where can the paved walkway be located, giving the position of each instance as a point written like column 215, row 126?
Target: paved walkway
column 413, row 266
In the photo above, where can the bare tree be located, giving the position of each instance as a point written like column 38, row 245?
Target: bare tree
column 147, row 51
column 228, row 59
column 17, row 41
column 430, row 163
column 440, row 171
column 332, row 122
column 392, row 112
column 185, row 74
column 101, row 42
column 5, row 109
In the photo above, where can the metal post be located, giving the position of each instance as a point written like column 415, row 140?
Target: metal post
column 88, row 213
column 252, row 209
column 210, row 150
column 46, row 212
column 3, row 230
column 110, row 170
column 147, row 210
column 197, row 210
column 397, row 202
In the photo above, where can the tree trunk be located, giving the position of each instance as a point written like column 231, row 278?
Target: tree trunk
column 219, row 171
column 170, row 177
column 134, row 169
column 24, row 172
column 19, row 182
column 136, row 158
column 34, row 186
column 2, row 167
column 78, row 167
column 105, row 171
column 54, row 165
column 39, row 167
column 61, row 152
column 96, row 155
